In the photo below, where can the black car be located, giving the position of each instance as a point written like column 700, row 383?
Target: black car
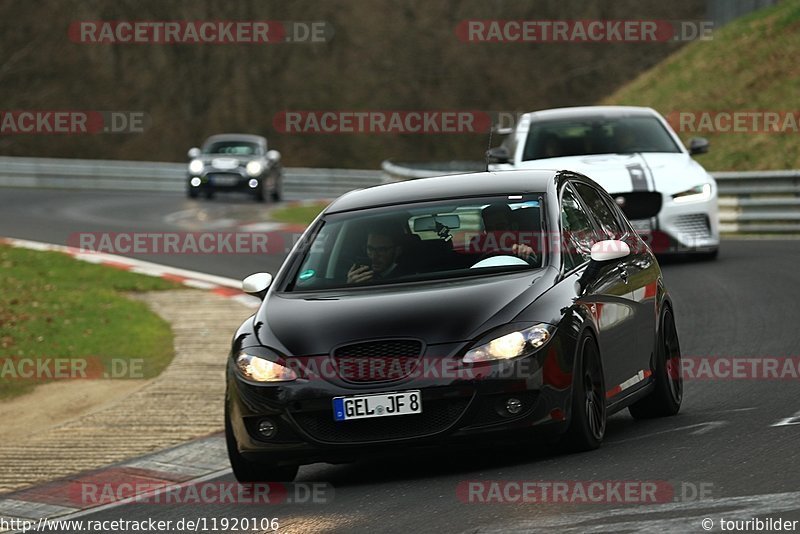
column 449, row 310
column 234, row 162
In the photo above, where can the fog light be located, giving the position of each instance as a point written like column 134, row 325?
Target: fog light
column 253, row 183
column 195, row 182
column 267, row 428
column 513, row 406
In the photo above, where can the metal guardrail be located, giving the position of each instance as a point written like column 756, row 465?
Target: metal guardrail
column 113, row 175
column 756, row 202
column 759, row 202
column 752, row 202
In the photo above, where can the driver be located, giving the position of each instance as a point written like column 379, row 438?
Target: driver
column 499, row 234
column 625, row 139
column 383, row 249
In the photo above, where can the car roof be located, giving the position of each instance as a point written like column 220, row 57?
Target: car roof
column 235, row 137
column 593, row 111
column 450, row 186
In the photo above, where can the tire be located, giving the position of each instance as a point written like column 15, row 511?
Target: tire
column 192, row 193
column 587, row 425
column 666, row 398
column 258, row 192
column 708, row 256
column 247, row 471
column 209, row 194
column 277, row 191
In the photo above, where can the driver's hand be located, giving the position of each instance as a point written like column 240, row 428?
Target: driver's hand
column 522, row 251
column 359, row 273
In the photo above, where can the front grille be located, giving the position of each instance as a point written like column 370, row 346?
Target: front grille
column 224, row 178
column 436, row 416
column 377, row 361
column 639, row 204
column 694, row 225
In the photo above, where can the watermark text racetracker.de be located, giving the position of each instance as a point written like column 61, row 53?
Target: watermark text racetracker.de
column 583, row 31
column 581, row 491
column 28, row 369
column 183, row 242
column 141, row 491
column 738, row 121
column 382, row 122
column 738, row 367
column 71, row 122
column 198, row 32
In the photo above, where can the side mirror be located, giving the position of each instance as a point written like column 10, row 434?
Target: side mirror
column 602, row 251
column 194, row 153
column 257, row 284
column 608, row 250
column 498, row 154
column 698, row 145
column 273, row 156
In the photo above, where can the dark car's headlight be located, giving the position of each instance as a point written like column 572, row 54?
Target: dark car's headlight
column 254, row 168
column 696, row 193
column 512, row 345
column 196, row 166
column 260, row 369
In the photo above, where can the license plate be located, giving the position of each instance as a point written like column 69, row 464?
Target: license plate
column 642, row 226
column 382, row 405
column 224, row 180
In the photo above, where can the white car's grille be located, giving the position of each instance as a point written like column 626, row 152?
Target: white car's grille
column 694, row 225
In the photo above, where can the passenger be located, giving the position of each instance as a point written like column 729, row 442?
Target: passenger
column 500, row 235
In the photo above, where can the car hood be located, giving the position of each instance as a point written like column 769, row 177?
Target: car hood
column 436, row 313
column 667, row 173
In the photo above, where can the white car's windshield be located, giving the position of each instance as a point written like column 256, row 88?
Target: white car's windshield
column 233, row 148
column 596, row 135
column 425, row 241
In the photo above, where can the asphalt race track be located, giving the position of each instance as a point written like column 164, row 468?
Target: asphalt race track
column 724, row 440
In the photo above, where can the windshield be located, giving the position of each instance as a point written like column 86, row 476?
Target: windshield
column 597, row 135
column 233, row 148
column 426, row 241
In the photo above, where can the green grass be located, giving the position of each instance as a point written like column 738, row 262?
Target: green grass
column 751, row 64
column 54, row 307
column 302, row 214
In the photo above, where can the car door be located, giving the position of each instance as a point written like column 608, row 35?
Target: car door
column 628, row 310
column 605, row 294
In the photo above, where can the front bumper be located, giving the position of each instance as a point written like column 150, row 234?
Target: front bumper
column 233, row 180
column 456, row 411
column 682, row 227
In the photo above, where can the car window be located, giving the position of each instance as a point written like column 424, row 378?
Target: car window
column 423, row 241
column 601, row 211
column 233, row 148
column 578, row 234
column 596, row 135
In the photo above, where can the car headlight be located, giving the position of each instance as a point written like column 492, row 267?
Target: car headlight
column 698, row 192
column 196, row 166
column 262, row 370
column 512, row 345
column 254, row 168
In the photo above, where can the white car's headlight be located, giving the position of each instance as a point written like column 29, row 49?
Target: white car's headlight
column 196, row 166
column 263, row 370
column 254, row 168
column 512, row 345
column 698, row 192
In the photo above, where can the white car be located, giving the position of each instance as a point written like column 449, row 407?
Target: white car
column 637, row 157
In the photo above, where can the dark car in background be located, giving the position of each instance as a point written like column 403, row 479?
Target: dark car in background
column 235, row 162
column 449, row 310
